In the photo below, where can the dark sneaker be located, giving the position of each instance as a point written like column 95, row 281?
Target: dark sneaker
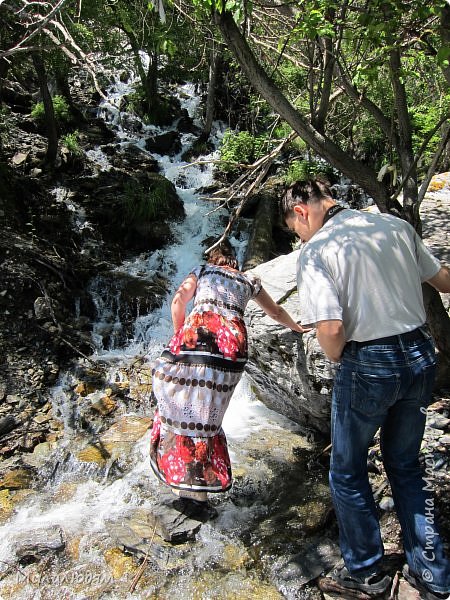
column 373, row 585
column 420, row 586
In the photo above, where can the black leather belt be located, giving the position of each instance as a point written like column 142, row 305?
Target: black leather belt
column 409, row 336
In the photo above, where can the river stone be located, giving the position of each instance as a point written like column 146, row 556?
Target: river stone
column 289, row 371
column 437, row 421
column 105, row 405
column 136, row 531
column 6, row 505
column 118, row 562
column 39, row 541
column 165, row 143
column 7, row 424
column 128, row 429
column 94, row 454
column 406, row 591
column 16, row 479
column 295, row 571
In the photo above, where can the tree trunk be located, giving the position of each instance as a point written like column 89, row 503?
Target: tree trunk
column 328, row 69
column 152, row 77
column 325, row 147
column 147, row 80
column 405, row 148
column 260, row 244
column 211, row 96
column 365, row 177
column 50, row 121
column 445, row 36
column 439, row 324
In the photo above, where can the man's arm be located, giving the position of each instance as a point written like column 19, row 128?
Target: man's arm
column 331, row 337
column 441, row 281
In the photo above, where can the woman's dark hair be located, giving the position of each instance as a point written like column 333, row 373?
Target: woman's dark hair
column 307, row 191
column 223, row 255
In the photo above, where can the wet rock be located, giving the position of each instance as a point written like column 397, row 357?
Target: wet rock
column 105, row 405
column 115, row 443
column 84, row 388
column 136, row 532
column 291, row 573
column 118, row 562
column 16, row 479
column 310, row 515
column 6, row 504
column 14, row 399
column 42, row 308
column 128, row 429
column 37, row 542
column 93, row 453
column 186, row 124
column 42, row 418
column 166, row 143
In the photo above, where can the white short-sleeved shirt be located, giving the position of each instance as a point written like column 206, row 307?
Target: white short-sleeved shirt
column 366, row 270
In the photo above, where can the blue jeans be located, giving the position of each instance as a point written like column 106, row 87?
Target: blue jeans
column 388, row 387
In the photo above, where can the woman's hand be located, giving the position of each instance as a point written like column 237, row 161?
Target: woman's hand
column 301, row 329
column 277, row 312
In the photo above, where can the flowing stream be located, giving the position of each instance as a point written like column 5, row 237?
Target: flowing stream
column 92, row 484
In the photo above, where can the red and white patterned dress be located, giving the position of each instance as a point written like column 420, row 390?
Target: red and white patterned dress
column 194, row 379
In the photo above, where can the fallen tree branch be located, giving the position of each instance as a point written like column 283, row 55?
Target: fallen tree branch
column 246, row 184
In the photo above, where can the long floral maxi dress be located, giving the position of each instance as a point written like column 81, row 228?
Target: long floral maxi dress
column 193, row 381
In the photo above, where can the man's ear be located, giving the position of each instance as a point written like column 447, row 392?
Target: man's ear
column 301, row 210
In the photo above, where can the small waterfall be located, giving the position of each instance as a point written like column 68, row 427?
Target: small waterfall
column 95, row 479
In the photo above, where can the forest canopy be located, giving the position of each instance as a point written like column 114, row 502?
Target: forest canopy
column 363, row 84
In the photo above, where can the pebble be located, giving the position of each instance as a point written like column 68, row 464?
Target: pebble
column 387, row 503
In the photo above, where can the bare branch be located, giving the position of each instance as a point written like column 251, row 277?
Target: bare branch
column 36, row 26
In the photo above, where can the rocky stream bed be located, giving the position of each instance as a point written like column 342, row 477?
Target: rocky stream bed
column 81, row 515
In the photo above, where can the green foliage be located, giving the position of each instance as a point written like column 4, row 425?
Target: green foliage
column 70, row 141
column 303, row 169
column 314, row 20
column 60, row 106
column 142, row 204
column 84, row 33
column 236, row 148
column 241, row 148
column 424, row 118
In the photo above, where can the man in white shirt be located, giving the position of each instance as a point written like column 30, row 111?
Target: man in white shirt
column 359, row 283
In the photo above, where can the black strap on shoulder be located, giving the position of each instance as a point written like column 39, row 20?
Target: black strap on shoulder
column 331, row 212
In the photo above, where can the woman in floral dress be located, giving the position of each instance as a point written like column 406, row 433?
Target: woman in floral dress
column 196, row 375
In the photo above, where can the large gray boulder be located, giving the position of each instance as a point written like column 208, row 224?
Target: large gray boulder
column 289, row 372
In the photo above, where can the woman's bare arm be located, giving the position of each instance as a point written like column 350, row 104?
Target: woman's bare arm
column 277, row 312
column 182, row 296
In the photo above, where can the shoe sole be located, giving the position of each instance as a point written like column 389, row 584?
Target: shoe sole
column 370, row 590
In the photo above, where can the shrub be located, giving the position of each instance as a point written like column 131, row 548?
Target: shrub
column 236, row 148
column 141, row 204
column 302, row 169
column 70, row 141
column 60, row 106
